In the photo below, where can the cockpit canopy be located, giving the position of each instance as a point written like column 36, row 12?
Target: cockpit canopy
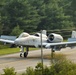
column 24, row 34
column 39, row 35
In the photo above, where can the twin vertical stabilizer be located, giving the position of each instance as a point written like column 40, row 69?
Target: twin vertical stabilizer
column 73, row 36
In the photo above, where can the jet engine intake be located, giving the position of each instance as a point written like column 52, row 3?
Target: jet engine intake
column 54, row 38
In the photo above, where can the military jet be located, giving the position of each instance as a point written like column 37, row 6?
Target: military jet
column 53, row 41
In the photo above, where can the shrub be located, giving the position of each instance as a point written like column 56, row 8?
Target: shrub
column 9, row 71
column 30, row 71
column 63, row 68
column 38, row 69
column 60, row 66
column 57, row 58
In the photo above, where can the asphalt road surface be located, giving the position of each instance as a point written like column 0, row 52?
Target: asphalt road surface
column 34, row 57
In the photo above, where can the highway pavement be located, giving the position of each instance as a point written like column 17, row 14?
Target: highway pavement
column 20, row 63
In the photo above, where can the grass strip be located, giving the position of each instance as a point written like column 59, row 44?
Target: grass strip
column 12, row 50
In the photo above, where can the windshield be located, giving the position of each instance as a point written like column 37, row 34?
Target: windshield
column 24, row 35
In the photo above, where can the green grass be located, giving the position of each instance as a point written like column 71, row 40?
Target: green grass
column 8, row 51
column 12, row 50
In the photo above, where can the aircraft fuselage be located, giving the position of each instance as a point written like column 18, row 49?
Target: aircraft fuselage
column 30, row 41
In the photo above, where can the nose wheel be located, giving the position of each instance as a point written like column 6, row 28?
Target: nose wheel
column 25, row 54
column 22, row 53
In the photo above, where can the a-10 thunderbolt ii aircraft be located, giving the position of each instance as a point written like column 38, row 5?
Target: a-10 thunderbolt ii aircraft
column 53, row 41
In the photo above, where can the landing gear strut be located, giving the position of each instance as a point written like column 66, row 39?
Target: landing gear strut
column 22, row 53
column 52, row 55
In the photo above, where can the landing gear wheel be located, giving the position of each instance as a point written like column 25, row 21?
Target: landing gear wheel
column 20, row 54
column 53, row 50
column 25, row 54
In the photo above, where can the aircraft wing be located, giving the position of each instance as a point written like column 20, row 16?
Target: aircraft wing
column 7, row 41
column 59, row 45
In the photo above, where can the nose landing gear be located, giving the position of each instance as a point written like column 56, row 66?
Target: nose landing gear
column 22, row 53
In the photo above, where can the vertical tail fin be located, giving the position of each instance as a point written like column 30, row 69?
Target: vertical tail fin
column 73, row 34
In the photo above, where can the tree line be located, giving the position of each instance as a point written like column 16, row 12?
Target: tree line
column 34, row 15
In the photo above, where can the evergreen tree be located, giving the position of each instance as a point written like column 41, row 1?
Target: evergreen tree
column 16, row 31
column 34, row 15
column 17, row 12
column 56, row 18
column 73, row 11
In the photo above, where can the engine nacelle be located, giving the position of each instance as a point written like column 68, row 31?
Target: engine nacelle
column 54, row 38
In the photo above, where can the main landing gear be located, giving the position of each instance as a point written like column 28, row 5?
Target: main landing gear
column 22, row 53
column 52, row 55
